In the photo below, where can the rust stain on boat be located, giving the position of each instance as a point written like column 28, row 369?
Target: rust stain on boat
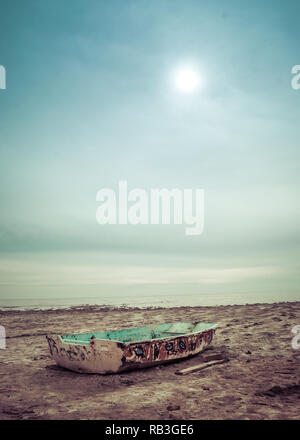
column 165, row 350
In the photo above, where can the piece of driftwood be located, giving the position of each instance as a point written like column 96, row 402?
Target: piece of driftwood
column 213, row 357
column 200, row 367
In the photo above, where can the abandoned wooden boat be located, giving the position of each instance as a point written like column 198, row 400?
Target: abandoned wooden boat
column 120, row 350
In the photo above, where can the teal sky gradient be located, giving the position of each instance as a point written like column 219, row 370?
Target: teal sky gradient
column 89, row 102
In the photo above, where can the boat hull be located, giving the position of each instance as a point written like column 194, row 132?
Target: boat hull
column 105, row 356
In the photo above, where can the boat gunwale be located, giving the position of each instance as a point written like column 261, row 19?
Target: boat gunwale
column 137, row 342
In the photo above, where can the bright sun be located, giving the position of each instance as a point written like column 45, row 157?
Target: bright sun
column 187, row 80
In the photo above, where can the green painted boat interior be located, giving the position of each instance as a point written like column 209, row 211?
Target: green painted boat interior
column 141, row 333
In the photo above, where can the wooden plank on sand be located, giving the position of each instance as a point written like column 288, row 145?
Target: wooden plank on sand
column 199, row 367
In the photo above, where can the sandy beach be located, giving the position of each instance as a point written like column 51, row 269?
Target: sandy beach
column 260, row 381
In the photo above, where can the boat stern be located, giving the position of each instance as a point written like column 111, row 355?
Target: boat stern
column 98, row 356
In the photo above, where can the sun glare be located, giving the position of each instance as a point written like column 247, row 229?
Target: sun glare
column 187, row 80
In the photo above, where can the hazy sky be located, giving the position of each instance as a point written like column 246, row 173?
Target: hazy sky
column 89, row 102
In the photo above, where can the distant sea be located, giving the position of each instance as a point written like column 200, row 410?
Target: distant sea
column 143, row 301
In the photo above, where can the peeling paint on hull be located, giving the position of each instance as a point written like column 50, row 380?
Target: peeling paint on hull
column 105, row 356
